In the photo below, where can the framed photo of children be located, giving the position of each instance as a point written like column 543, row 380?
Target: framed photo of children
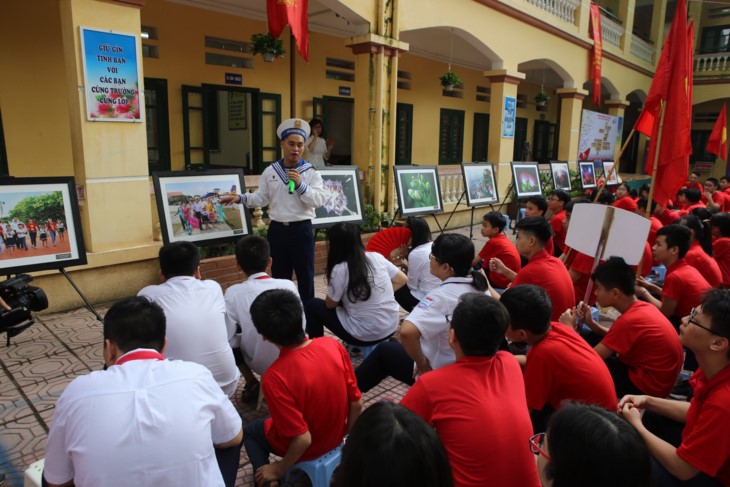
column 587, row 174
column 39, row 225
column 480, row 184
column 561, row 175
column 526, row 179
column 342, row 201
column 418, row 190
column 190, row 209
column 609, row 172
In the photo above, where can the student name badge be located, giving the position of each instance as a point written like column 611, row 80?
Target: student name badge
column 425, row 303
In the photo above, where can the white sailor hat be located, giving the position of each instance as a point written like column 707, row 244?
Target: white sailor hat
column 293, row 126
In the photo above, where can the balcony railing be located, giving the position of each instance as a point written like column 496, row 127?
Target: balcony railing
column 642, row 50
column 562, row 9
column 612, row 32
column 712, row 64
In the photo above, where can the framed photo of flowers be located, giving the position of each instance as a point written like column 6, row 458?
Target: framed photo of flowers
column 526, row 178
column 342, row 200
column 587, row 174
column 418, row 190
column 561, row 175
column 480, row 184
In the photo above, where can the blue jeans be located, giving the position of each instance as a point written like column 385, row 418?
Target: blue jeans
column 257, row 446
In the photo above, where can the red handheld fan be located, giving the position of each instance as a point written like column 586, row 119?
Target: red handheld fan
column 386, row 241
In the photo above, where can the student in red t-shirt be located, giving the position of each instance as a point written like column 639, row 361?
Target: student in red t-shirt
column 310, row 389
column 560, row 366
column 725, row 184
column 557, row 199
column 477, row 404
column 624, row 199
column 720, row 225
column 715, row 198
column 498, row 246
column 699, row 254
column 694, row 200
column 704, row 452
column 544, row 270
column 683, row 284
column 656, row 224
column 648, row 355
column 537, row 206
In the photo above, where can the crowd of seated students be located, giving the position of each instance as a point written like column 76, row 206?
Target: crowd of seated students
column 574, row 395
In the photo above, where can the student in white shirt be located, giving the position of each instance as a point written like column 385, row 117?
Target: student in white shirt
column 360, row 307
column 420, row 279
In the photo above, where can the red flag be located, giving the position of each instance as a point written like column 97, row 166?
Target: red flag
column 671, row 88
column 717, row 143
column 294, row 13
column 597, row 53
column 645, row 123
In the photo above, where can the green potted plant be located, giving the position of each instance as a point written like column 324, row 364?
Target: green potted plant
column 269, row 47
column 449, row 79
column 541, row 98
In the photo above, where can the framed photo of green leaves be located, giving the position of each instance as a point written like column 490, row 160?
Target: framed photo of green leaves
column 418, row 190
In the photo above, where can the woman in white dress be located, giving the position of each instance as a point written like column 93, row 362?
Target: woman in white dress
column 319, row 149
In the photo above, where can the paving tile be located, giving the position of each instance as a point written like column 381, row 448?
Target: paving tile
column 21, row 443
column 43, row 368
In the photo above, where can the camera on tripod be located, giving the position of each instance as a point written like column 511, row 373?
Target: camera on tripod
column 22, row 299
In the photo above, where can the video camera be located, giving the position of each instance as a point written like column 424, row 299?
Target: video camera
column 22, row 299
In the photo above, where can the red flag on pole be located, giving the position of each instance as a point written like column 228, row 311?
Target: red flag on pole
column 645, row 123
column 717, row 143
column 294, row 13
column 671, row 88
column 597, row 53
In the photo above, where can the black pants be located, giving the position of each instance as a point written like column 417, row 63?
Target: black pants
column 292, row 250
column 406, row 300
column 389, row 359
column 620, row 374
column 320, row 316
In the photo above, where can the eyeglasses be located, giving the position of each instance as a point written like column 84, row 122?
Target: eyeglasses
column 691, row 320
column 536, row 442
column 431, row 256
column 449, row 317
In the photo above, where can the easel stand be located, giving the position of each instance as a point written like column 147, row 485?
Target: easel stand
column 89, row 306
column 397, row 212
column 456, row 206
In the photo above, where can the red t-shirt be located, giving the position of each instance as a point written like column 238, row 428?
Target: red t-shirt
column 705, row 445
column 478, row 408
column 721, row 199
column 721, row 253
column 626, row 203
column 309, row 389
column 52, row 226
column 550, row 246
column 655, row 226
column 668, row 217
column 32, row 227
column 562, row 366
column 557, row 222
column 684, row 284
column 647, row 343
column 691, row 207
column 550, row 273
column 501, row 248
column 706, row 265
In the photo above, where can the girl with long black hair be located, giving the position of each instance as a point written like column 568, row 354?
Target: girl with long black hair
column 420, row 279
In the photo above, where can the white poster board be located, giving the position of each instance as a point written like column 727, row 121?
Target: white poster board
column 626, row 237
column 599, row 134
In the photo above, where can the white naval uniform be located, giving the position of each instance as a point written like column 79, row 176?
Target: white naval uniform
column 196, row 326
column 239, row 297
column 420, row 279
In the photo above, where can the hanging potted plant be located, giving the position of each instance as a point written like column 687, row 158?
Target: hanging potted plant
column 269, row 47
column 541, row 98
column 449, row 79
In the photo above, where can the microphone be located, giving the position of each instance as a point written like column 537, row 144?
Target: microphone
column 291, row 186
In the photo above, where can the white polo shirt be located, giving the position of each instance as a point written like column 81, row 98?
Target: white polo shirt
column 429, row 316
column 143, row 423
column 420, row 279
column 239, row 297
column 196, row 326
column 375, row 318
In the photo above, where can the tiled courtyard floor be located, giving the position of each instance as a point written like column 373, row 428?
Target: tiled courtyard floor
column 41, row 361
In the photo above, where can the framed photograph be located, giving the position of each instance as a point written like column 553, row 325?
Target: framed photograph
column 40, row 225
column 561, row 175
column 342, row 201
column 480, row 183
column 188, row 203
column 418, row 190
column 587, row 174
column 610, row 173
column 526, row 179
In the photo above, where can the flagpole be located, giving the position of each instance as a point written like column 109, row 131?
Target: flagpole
column 656, row 159
column 614, row 169
column 292, row 76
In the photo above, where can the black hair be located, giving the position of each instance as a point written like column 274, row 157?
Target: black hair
column 578, row 201
column 457, row 251
column 537, row 226
column 317, row 121
column 716, row 305
column 420, row 232
column 676, row 236
column 391, row 446
column 479, row 322
column 625, row 185
column 721, row 221
column 645, row 188
column 529, row 308
column 561, row 194
column 642, row 202
column 345, row 245
column 703, row 213
column 615, row 273
column 633, row 193
column 496, row 219
column 724, row 178
column 696, row 173
column 252, row 254
column 581, row 437
column 693, row 194
column 700, row 232
column 179, row 259
column 606, row 198
column 714, row 181
column 539, row 201
column 134, row 323
column 277, row 315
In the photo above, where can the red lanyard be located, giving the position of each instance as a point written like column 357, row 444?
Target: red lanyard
column 140, row 355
